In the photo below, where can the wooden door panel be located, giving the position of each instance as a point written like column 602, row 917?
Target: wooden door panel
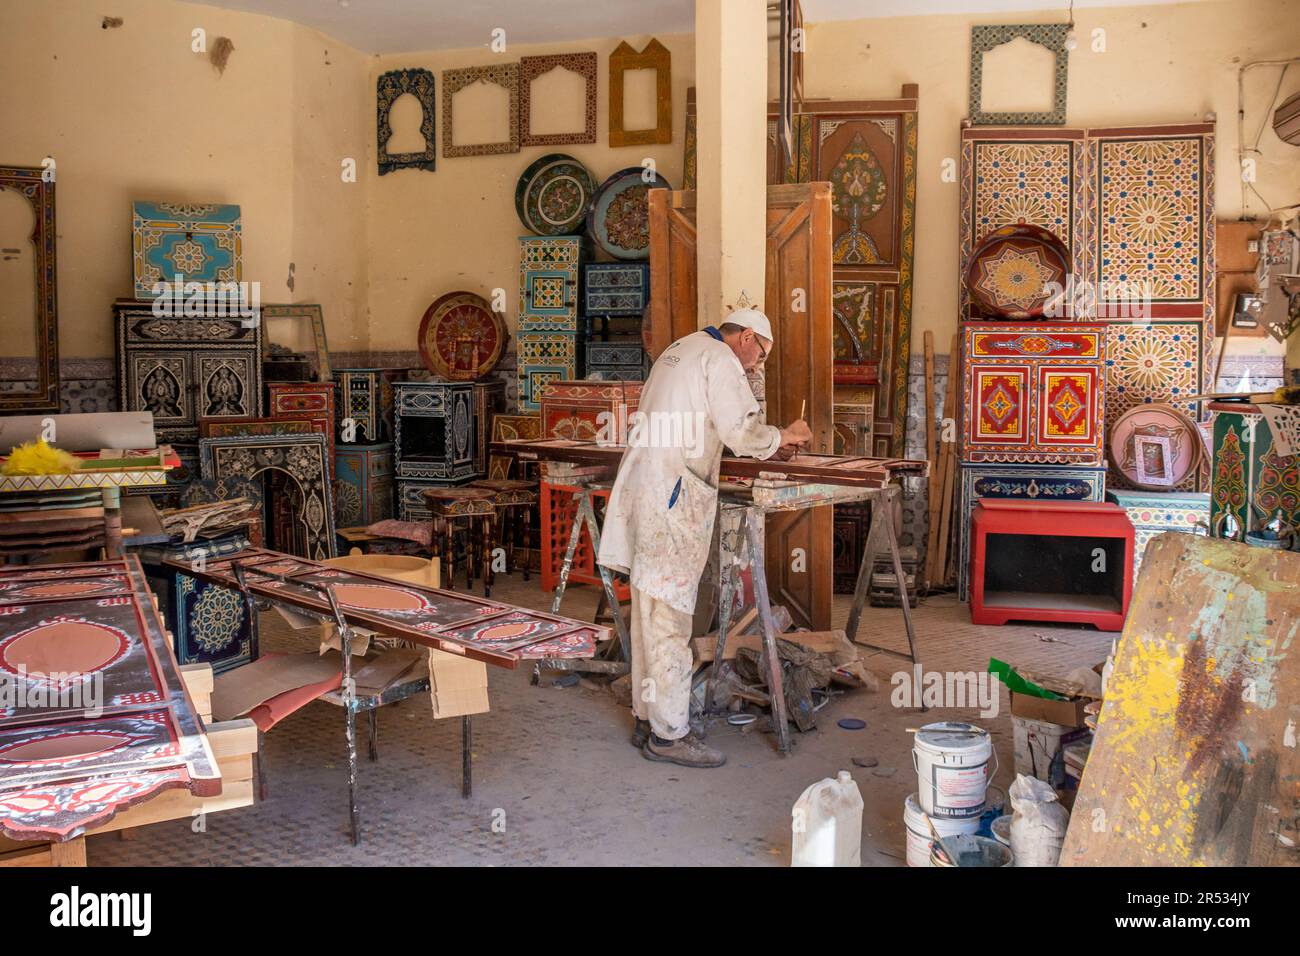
column 800, row 545
column 674, row 295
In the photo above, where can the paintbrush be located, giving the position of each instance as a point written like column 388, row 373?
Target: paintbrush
column 938, row 839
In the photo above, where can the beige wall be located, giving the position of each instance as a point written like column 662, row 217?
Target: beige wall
column 132, row 113
column 456, row 228
column 1164, row 64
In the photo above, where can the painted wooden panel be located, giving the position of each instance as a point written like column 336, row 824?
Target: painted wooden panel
column 1193, row 762
column 548, row 283
column 363, row 484
column 435, row 428
column 1249, row 480
column 85, row 639
column 798, row 257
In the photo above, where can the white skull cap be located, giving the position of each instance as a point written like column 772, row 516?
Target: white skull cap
column 751, row 319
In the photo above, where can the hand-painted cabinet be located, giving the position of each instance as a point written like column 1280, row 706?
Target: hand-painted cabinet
column 1021, row 483
column 1251, row 483
column 1032, row 393
column 548, row 283
column 208, row 624
column 587, row 410
column 434, row 431
column 365, row 395
column 183, row 369
column 1154, row 513
column 363, row 484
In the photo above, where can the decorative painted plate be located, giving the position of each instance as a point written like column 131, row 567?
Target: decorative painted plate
column 460, row 337
column 619, row 217
column 1168, row 442
column 1010, row 270
column 553, row 195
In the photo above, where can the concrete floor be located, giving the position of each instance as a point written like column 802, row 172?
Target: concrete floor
column 554, row 771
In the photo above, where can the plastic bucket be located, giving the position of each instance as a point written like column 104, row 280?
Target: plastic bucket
column 952, row 768
column 973, row 851
column 918, row 834
column 1002, row 829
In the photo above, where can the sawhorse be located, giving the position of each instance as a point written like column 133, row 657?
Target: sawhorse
column 882, row 526
column 585, row 517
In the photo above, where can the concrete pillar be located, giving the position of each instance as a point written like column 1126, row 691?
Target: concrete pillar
column 731, row 158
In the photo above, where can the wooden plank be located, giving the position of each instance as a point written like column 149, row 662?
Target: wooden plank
column 824, row 642
column 1195, row 760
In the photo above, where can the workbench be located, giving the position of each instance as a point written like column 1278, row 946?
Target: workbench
column 758, row 488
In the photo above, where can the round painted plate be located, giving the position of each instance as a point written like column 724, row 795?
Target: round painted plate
column 553, row 195
column 1011, row 267
column 1176, row 452
column 460, row 337
column 619, row 217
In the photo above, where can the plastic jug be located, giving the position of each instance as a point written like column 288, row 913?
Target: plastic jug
column 827, row 824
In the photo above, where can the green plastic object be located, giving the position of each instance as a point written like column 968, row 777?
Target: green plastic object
column 1017, row 684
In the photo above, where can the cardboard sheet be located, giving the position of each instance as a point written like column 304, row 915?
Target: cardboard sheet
column 238, row 691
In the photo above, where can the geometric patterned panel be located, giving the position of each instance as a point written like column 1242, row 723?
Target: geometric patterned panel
column 186, row 242
column 1149, row 226
column 999, row 404
column 548, row 283
column 1154, row 513
column 1065, row 395
column 543, row 357
column 1157, row 362
column 1014, row 176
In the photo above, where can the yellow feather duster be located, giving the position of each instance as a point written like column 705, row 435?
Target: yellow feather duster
column 39, row 458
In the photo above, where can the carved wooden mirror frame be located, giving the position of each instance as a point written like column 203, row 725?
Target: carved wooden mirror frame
column 29, row 182
column 391, row 86
column 1048, row 35
column 655, row 57
column 532, row 67
column 453, row 81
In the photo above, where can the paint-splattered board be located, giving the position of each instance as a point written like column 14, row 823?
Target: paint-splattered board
column 94, row 717
column 1195, row 761
column 453, row 621
column 854, row 471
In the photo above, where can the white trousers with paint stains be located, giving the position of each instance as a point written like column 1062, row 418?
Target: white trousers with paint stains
column 661, row 665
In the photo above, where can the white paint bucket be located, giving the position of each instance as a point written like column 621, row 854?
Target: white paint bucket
column 952, row 768
column 974, row 851
column 918, row 834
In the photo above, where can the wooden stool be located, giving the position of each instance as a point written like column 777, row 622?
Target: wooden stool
column 519, row 497
column 450, row 505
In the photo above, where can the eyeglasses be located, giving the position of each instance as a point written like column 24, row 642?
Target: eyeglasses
column 759, row 343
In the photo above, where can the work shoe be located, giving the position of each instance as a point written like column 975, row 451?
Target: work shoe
column 689, row 751
column 640, row 732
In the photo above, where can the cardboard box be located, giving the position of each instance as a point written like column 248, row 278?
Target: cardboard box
column 1067, row 713
column 457, row 685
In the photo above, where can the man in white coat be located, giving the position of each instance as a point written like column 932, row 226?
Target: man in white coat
column 659, row 522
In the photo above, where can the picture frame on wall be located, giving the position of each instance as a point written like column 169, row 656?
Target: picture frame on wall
column 505, row 75
column 532, row 68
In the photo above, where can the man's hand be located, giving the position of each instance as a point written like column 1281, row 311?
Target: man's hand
column 797, row 435
column 784, row 453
